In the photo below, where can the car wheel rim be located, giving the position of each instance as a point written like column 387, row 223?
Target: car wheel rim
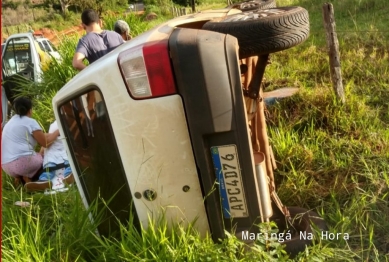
column 258, row 14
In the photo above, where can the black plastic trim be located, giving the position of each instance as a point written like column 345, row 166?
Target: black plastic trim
column 208, row 79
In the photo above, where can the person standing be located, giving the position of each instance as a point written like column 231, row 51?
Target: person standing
column 96, row 43
column 122, row 28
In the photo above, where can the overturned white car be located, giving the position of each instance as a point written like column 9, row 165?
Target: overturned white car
column 172, row 123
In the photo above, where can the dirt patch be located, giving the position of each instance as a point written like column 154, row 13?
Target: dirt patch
column 55, row 36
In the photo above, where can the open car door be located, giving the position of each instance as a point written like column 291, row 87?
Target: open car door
column 20, row 64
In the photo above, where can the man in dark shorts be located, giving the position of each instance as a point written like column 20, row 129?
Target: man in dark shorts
column 96, row 43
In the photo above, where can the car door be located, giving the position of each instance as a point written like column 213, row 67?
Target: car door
column 4, row 100
column 4, row 107
column 20, row 63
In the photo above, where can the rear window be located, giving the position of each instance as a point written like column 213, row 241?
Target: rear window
column 47, row 46
column 41, row 46
column 52, row 46
column 96, row 157
column 17, row 55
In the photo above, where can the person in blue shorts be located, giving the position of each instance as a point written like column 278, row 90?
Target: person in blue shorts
column 54, row 158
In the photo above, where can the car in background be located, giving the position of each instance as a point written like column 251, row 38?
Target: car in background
column 46, row 46
column 26, row 55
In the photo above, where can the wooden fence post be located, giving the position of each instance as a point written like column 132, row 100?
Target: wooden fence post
column 333, row 50
column 193, row 4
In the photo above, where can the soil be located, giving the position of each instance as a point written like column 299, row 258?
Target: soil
column 55, row 36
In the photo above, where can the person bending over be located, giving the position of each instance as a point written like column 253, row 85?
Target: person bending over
column 19, row 138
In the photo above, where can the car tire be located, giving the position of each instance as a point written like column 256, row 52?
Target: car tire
column 305, row 221
column 253, row 5
column 264, row 31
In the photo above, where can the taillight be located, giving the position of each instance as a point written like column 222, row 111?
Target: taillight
column 146, row 70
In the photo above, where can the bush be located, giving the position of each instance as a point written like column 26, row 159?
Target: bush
column 136, row 23
column 57, row 18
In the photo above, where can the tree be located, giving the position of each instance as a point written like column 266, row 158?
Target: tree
column 65, row 4
column 99, row 5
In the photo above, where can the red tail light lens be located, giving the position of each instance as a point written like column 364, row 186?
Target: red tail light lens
column 147, row 71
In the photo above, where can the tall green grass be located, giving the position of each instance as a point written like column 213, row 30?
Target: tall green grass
column 53, row 228
column 331, row 158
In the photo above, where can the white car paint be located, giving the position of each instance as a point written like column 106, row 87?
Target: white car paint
column 164, row 163
column 48, row 47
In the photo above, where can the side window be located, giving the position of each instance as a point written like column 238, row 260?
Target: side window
column 53, row 48
column 41, row 46
column 46, row 46
column 17, row 56
column 95, row 154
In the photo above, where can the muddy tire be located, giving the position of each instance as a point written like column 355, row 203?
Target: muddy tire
column 264, row 31
column 253, row 5
column 304, row 221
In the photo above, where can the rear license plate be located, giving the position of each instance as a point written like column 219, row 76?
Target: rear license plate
column 229, row 177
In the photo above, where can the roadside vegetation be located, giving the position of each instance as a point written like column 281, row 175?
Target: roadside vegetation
column 20, row 16
column 332, row 158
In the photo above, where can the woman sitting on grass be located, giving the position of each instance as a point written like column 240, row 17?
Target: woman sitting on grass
column 19, row 138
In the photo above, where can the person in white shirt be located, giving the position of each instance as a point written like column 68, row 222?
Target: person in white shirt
column 19, row 138
column 54, row 158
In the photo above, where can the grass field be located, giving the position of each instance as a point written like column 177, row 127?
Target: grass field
column 332, row 158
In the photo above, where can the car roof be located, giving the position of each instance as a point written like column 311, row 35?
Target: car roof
column 37, row 38
column 40, row 39
column 20, row 35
